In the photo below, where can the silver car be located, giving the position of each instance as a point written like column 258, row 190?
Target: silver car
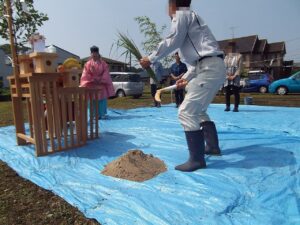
column 127, row 84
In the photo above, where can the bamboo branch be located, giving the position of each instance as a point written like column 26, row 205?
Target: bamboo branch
column 129, row 45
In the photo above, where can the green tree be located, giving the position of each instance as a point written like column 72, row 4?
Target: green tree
column 25, row 23
column 153, row 36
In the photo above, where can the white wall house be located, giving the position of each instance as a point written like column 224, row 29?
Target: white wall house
column 5, row 70
column 63, row 55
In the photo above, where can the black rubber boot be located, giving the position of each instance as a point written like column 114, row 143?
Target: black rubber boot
column 195, row 142
column 154, row 103
column 235, row 109
column 211, row 138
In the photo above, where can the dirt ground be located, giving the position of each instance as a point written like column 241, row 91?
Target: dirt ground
column 24, row 203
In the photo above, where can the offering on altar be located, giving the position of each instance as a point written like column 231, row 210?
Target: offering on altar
column 72, row 72
column 37, row 42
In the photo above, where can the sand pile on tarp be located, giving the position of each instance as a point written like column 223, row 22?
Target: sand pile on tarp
column 135, row 166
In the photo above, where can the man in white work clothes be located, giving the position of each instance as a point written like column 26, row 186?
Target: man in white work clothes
column 206, row 73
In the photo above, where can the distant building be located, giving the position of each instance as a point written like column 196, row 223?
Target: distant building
column 63, row 54
column 114, row 65
column 296, row 67
column 5, row 69
column 259, row 54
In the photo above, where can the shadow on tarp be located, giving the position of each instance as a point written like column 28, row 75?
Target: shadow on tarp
column 110, row 144
column 256, row 110
column 124, row 117
column 254, row 156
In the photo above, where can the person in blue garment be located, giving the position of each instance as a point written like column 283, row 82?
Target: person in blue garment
column 178, row 69
column 206, row 73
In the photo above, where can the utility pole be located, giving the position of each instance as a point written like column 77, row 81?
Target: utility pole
column 13, row 46
column 16, row 98
column 232, row 31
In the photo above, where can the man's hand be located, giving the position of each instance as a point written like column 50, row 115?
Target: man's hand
column 181, row 83
column 145, row 62
column 231, row 77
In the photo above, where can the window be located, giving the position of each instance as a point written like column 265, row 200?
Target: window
column 254, row 76
column 134, row 78
column 125, row 77
column 119, row 77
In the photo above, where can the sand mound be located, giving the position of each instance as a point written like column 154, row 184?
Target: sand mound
column 135, row 166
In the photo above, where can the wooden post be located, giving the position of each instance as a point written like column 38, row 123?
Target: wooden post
column 16, row 101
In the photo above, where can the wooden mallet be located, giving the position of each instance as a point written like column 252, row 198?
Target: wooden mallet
column 158, row 92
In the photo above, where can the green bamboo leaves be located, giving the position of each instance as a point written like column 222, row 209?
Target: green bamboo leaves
column 128, row 44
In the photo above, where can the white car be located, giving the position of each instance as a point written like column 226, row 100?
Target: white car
column 127, row 84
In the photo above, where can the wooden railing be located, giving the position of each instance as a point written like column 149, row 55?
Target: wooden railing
column 58, row 117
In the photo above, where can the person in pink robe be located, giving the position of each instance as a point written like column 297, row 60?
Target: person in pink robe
column 96, row 75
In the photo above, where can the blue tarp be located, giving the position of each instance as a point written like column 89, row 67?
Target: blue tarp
column 255, row 181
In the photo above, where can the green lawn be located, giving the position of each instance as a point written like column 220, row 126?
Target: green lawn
column 6, row 117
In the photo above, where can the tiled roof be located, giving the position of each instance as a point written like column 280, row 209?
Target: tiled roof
column 276, row 47
column 76, row 56
column 243, row 44
column 251, row 44
column 260, row 46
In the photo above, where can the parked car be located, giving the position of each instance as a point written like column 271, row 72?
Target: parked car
column 287, row 85
column 257, row 81
column 127, row 84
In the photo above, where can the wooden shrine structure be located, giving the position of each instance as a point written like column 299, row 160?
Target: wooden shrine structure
column 60, row 114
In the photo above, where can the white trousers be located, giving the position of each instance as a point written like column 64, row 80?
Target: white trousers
column 201, row 90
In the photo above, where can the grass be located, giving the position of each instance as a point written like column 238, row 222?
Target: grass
column 291, row 100
column 22, row 202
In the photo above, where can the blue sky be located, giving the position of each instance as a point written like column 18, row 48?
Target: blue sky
column 75, row 25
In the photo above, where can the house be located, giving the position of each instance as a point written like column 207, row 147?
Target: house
column 5, row 69
column 63, row 54
column 114, row 65
column 258, row 54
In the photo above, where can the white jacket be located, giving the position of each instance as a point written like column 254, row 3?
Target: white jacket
column 192, row 37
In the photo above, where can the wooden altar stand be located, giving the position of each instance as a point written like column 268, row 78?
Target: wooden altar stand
column 57, row 116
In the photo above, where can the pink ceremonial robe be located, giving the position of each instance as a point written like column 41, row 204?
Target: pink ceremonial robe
column 96, row 75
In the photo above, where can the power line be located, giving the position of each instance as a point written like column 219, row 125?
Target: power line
column 294, row 54
column 270, row 60
column 295, row 50
column 232, row 31
column 294, row 39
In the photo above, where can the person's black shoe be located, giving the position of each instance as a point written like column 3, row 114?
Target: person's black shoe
column 235, row 109
column 154, row 104
column 211, row 138
column 227, row 109
column 195, row 142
